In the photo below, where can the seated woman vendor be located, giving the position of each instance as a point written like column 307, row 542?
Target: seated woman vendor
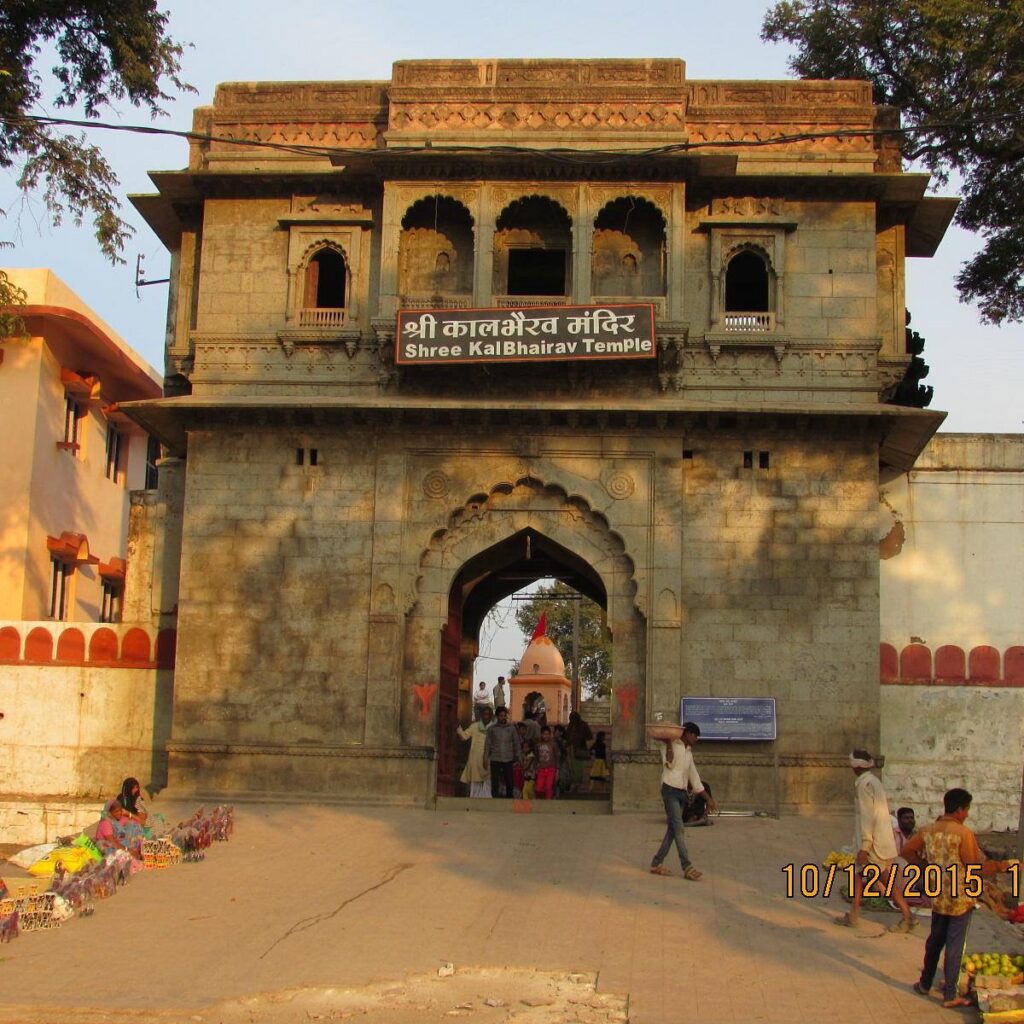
column 117, row 831
column 130, row 798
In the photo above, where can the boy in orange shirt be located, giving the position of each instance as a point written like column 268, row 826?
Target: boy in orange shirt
column 952, row 846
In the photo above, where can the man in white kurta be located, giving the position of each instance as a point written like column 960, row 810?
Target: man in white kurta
column 874, row 842
column 476, row 773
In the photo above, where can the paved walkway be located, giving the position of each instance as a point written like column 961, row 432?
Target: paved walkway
column 334, row 899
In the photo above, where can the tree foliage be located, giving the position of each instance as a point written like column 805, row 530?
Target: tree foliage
column 956, row 70
column 595, row 649
column 106, row 51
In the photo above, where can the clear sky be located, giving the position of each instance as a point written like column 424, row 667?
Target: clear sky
column 977, row 371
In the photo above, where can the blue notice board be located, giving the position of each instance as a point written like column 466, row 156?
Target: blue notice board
column 731, row 718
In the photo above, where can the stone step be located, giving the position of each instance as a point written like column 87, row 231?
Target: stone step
column 577, row 805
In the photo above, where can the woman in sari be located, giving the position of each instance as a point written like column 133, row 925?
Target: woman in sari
column 117, row 831
column 130, row 798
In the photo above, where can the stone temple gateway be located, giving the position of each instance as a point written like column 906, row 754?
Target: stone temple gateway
column 335, row 522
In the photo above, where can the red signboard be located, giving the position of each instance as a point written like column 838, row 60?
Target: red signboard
column 526, row 334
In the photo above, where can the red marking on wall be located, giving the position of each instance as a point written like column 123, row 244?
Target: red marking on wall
column 166, row 644
column 10, row 644
column 627, row 697
column 983, row 665
column 39, row 646
column 1013, row 666
column 71, row 647
column 522, row 806
column 950, row 664
column 103, row 646
column 425, row 694
column 888, row 663
column 915, row 663
column 135, row 647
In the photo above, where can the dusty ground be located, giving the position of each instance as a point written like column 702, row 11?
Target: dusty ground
column 314, row 913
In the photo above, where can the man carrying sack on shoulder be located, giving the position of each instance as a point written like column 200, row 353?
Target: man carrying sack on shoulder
column 678, row 772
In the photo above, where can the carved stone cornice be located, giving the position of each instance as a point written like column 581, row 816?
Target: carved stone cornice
column 301, row 750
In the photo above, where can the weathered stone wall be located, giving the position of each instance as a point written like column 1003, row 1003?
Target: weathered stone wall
column 324, row 590
column 80, row 730
column 779, row 598
column 938, row 737
column 952, row 652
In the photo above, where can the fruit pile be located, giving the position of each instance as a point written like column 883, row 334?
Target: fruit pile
column 994, row 970
column 841, row 860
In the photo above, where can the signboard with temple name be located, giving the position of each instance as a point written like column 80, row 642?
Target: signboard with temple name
column 731, row 718
column 526, row 334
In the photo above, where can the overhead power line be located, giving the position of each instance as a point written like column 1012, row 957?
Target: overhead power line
column 567, row 155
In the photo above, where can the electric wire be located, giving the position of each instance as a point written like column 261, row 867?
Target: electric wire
column 565, row 155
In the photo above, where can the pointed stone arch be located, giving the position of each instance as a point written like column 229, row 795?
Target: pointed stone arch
column 487, row 519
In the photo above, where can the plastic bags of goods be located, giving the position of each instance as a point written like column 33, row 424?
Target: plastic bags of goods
column 70, row 858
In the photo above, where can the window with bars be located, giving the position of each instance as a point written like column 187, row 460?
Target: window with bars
column 115, row 453
column 113, row 598
column 60, row 589
column 73, row 413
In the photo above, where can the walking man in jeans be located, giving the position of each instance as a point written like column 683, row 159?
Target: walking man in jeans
column 502, row 750
column 678, row 772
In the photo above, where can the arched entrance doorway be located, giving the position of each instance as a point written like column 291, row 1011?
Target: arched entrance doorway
column 488, row 577
column 488, row 531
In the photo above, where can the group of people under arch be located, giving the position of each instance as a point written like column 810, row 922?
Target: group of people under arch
column 531, row 759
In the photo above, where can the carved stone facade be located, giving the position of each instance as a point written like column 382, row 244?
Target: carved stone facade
column 347, row 522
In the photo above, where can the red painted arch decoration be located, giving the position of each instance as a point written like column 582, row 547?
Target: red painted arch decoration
column 950, row 664
column 953, row 666
column 1013, row 666
column 889, row 663
column 135, row 647
column 915, row 663
column 39, row 646
column 103, row 646
column 71, row 647
column 10, row 644
column 983, row 665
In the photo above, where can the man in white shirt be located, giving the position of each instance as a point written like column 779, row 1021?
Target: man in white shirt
column 874, row 842
column 678, row 772
column 481, row 699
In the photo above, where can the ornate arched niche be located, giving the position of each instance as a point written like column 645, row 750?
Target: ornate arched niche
column 488, row 520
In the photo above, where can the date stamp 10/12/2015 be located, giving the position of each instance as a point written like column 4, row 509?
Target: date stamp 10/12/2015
column 811, row 880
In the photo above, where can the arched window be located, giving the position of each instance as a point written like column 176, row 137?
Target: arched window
column 747, row 284
column 326, row 281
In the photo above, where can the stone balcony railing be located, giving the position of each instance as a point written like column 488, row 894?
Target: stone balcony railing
column 100, row 644
column 325, row 318
column 748, row 323
column 436, row 302
column 516, row 301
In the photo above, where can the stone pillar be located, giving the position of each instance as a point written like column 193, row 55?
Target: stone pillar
column 391, row 229
column 387, row 619
column 582, row 246
column 675, row 262
column 483, row 265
